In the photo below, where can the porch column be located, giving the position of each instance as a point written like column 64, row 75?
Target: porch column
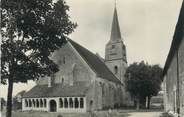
column 85, row 105
column 39, row 103
column 73, row 99
column 27, row 103
column 79, row 102
column 23, row 104
column 63, row 99
column 34, row 100
column 32, row 104
column 68, row 102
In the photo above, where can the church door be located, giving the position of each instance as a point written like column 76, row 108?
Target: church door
column 53, row 106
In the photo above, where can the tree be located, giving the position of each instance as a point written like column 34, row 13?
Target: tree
column 143, row 81
column 31, row 31
column 3, row 103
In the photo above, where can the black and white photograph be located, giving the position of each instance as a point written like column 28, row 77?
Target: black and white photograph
column 92, row 58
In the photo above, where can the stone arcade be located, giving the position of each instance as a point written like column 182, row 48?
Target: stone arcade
column 85, row 81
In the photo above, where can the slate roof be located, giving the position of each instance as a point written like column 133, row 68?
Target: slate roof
column 115, row 31
column 57, row 90
column 97, row 65
column 177, row 39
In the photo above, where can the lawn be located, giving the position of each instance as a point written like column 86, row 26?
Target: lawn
column 46, row 114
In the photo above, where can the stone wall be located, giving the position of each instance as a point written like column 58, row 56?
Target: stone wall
column 121, row 68
column 181, row 76
column 107, row 94
column 115, row 59
column 171, row 101
column 72, row 68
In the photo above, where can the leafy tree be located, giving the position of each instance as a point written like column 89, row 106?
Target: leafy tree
column 143, row 80
column 31, row 31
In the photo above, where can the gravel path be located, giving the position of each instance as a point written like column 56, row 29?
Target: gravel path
column 144, row 114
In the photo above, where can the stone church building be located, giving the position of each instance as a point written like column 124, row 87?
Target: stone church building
column 174, row 71
column 85, row 80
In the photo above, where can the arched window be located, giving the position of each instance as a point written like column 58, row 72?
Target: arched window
column 30, row 103
column 41, row 103
column 66, row 102
column 34, row 103
column 81, row 103
column 37, row 103
column 71, row 102
column 115, row 69
column 62, row 80
column 76, row 103
column 45, row 103
column 26, row 103
column 75, row 74
column 103, row 89
column 91, row 104
column 60, row 102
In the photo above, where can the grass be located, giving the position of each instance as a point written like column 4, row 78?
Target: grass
column 115, row 113
column 46, row 114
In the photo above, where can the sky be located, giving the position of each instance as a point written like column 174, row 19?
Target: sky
column 147, row 28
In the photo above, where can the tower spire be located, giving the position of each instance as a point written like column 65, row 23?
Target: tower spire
column 115, row 31
column 115, row 2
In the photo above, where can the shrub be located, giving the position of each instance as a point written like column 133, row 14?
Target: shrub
column 59, row 115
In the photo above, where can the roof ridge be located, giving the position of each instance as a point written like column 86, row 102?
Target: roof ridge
column 83, row 56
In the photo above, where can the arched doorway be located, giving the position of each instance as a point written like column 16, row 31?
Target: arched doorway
column 53, row 106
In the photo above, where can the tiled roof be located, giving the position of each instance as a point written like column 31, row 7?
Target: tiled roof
column 97, row 65
column 57, row 90
column 177, row 39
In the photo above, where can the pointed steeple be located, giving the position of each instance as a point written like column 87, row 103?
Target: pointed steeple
column 115, row 31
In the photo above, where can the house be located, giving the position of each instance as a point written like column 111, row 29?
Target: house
column 174, row 71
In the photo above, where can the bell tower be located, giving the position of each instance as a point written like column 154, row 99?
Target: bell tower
column 115, row 51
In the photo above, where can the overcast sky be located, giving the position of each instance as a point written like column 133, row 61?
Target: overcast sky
column 147, row 28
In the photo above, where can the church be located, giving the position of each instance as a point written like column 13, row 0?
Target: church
column 85, row 81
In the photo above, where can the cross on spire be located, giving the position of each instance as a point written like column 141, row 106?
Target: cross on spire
column 115, row 2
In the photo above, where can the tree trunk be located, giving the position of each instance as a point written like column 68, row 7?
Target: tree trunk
column 143, row 102
column 9, row 98
column 137, row 104
column 146, row 104
column 149, row 100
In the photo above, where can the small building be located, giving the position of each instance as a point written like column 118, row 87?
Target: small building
column 85, row 81
column 157, row 101
column 174, row 71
